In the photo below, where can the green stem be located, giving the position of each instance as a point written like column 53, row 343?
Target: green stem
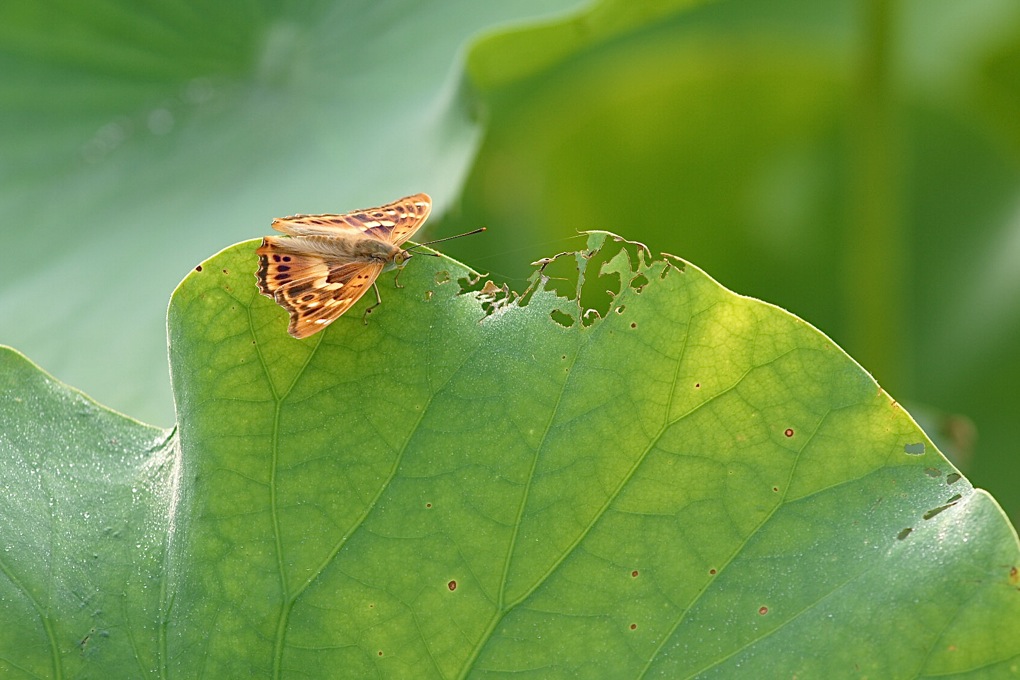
column 876, row 265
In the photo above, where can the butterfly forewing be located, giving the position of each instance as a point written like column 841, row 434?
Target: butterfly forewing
column 317, row 274
column 394, row 222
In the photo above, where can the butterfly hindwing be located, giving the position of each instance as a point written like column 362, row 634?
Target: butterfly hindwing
column 313, row 291
column 346, row 285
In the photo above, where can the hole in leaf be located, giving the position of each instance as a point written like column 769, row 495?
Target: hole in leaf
column 916, row 449
column 559, row 275
column 562, row 318
column 469, row 283
column 903, row 534
column 639, row 282
column 953, row 477
column 935, row 511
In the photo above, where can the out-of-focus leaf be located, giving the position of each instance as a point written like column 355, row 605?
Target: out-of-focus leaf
column 88, row 498
column 853, row 163
column 136, row 138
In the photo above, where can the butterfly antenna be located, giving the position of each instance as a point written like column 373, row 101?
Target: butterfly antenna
column 448, row 238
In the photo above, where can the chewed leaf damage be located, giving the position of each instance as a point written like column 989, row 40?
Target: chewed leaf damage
column 585, row 282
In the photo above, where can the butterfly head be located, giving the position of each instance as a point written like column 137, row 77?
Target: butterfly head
column 398, row 260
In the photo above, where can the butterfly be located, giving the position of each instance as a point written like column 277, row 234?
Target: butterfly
column 325, row 263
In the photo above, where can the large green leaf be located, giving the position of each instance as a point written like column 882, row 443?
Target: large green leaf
column 139, row 137
column 684, row 483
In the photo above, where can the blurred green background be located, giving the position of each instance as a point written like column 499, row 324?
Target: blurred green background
column 855, row 162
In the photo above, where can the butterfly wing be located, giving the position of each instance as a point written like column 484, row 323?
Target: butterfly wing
column 394, row 222
column 313, row 290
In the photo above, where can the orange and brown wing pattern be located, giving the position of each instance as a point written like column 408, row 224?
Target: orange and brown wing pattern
column 313, row 291
column 394, row 222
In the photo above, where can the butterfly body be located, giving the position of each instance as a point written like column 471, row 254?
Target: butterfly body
column 327, row 262
column 343, row 248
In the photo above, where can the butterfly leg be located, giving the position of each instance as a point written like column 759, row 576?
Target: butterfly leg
column 378, row 301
